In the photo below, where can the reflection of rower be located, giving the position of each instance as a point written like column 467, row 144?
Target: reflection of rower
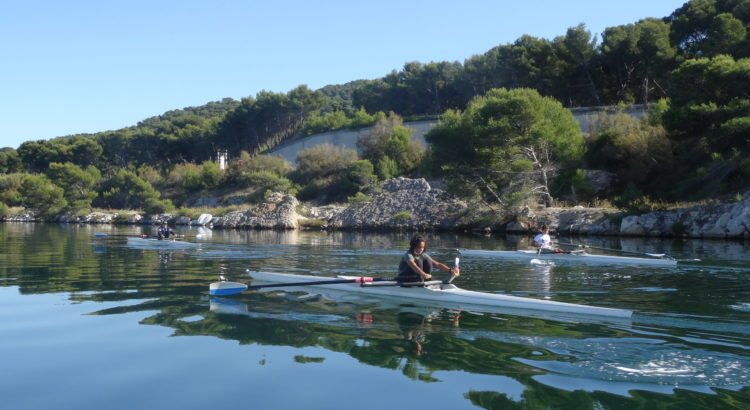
column 415, row 326
column 544, row 242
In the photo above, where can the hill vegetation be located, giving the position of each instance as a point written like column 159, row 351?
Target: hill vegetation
column 504, row 136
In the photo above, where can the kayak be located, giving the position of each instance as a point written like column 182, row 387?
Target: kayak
column 433, row 291
column 573, row 256
column 160, row 243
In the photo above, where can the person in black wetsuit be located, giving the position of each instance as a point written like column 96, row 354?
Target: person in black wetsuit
column 416, row 265
column 164, row 231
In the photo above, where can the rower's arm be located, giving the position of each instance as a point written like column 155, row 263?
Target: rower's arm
column 443, row 267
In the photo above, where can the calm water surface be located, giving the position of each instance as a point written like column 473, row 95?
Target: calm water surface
column 89, row 323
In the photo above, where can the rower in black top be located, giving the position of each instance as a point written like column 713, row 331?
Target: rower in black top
column 416, row 265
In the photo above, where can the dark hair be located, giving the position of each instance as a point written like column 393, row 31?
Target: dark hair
column 415, row 241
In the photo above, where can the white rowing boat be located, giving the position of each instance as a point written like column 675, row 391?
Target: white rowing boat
column 160, row 243
column 433, row 291
column 574, row 257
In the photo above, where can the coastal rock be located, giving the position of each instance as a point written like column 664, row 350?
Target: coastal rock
column 721, row 221
column 572, row 221
column 408, row 204
column 278, row 211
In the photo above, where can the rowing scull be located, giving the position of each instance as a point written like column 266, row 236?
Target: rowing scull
column 573, row 256
column 435, row 291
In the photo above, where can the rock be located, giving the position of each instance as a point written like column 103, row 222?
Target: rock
column 278, row 211
column 204, row 219
column 408, row 204
column 722, row 221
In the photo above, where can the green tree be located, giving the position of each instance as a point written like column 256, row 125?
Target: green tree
column 710, row 107
column 39, row 194
column 264, row 121
column 125, row 190
column 638, row 153
column 507, row 144
column 358, row 176
column 77, row 183
column 10, row 188
column 388, row 140
column 726, row 35
column 577, row 59
column 10, row 162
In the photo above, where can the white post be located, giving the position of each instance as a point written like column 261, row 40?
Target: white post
column 222, row 160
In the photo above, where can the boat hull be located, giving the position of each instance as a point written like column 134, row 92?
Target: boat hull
column 164, row 243
column 574, row 257
column 450, row 294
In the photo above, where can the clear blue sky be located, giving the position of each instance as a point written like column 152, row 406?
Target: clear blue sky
column 77, row 66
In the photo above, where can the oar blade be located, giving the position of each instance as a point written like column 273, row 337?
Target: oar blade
column 225, row 288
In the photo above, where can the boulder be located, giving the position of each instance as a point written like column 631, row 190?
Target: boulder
column 405, row 204
column 278, row 211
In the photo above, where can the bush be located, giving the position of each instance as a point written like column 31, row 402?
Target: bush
column 10, row 186
column 309, row 192
column 246, row 164
column 39, row 194
column 358, row 198
column 125, row 190
column 4, row 210
column 637, row 152
column 401, row 216
column 155, row 206
column 322, row 161
column 265, row 180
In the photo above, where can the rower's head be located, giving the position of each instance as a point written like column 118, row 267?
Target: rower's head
column 417, row 245
column 545, row 228
column 164, row 224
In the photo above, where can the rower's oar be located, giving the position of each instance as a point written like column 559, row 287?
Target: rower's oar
column 106, row 235
column 225, row 288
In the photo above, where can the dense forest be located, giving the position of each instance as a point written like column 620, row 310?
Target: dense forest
column 505, row 134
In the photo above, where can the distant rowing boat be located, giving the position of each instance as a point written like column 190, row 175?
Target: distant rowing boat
column 163, row 243
column 434, row 291
column 573, row 256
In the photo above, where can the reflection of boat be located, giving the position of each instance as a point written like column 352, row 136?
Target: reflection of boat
column 437, row 291
column 573, row 256
column 163, row 243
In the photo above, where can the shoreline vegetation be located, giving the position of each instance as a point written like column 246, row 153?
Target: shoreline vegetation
column 413, row 205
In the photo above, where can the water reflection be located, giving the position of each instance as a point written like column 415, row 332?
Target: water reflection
column 689, row 343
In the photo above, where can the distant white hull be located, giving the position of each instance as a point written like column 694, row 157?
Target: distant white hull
column 574, row 257
column 448, row 293
column 164, row 243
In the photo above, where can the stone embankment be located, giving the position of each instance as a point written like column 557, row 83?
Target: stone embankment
column 413, row 205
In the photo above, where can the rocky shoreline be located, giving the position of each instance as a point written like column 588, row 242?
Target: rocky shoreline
column 413, row 205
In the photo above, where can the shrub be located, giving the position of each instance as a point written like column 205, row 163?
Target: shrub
column 401, row 216
column 322, row 161
column 10, row 186
column 358, row 198
column 41, row 195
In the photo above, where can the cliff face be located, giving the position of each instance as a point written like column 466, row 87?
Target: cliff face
column 405, row 204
